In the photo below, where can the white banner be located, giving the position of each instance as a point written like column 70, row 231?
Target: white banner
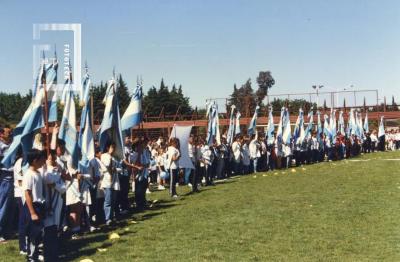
column 183, row 134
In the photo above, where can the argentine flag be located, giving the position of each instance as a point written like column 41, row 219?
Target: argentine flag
column 110, row 129
column 213, row 125
column 31, row 121
column 332, row 124
column 319, row 126
column 310, row 123
column 298, row 124
column 253, row 123
column 68, row 132
column 327, row 128
column 270, row 128
column 381, row 131
column 133, row 114
column 279, row 132
column 341, row 123
column 287, row 130
column 237, row 123
column 49, row 72
column 231, row 129
column 366, row 125
column 86, row 141
column 352, row 123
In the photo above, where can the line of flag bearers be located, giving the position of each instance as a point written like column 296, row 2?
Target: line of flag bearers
column 66, row 182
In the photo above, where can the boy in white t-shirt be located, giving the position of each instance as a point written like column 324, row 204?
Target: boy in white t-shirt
column 18, row 195
column 34, row 208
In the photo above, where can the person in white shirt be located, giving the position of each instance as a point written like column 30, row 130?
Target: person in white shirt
column 54, row 186
column 34, row 208
column 237, row 155
column 254, row 150
column 246, row 157
column 162, row 174
column 207, row 157
column 18, row 195
column 374, row 141
column 314, row 148
column 110, row 182
column 173, row 156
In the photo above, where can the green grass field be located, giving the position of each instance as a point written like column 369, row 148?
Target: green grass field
column 338, row 211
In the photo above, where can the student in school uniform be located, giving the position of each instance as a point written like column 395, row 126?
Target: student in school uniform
column 173, row 155
column 34, row 207
column 246, row 157
column 97, row 169
column 110, row 182
column 207, row 157
column 254, row 150
column 141, row 170
column 6, row 188
column 54, row 187
column 18, row 195
column 237, row 155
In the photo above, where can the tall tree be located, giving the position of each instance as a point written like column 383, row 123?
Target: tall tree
column 264, row 81
column 123, row 94
column 244, row 98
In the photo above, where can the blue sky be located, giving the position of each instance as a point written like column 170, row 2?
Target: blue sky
column 207, row 46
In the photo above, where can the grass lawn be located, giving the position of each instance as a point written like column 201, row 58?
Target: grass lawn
column 338, row 211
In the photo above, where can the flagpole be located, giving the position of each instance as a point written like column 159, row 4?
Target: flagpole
column 46, row 115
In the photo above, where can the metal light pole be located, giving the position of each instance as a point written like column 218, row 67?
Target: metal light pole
column 317, row 88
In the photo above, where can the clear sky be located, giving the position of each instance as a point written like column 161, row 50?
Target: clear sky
column 209, row 45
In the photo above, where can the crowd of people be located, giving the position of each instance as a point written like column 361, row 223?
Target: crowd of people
column 45, row 199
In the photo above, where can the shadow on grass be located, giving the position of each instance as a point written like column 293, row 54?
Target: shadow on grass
column 89, row 244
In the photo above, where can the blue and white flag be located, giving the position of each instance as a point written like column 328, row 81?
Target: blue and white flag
column 48, row 72
column 253, row 123
column 133, row 114
column 231, row 129
column 51, row 86
column 110, row 129
column 341, row 124
column 319, row 126
column 360, row 127
column 366, row 125
column 297, row 127
column 310, row 123
column 237, row 123
column 279, row 132
column 352, row 123
column 213, row 125
column 68, row 132
column 23, row 134
column 270, row 128
column 381, row 131
column 86, row 140
column 287, row 130
column 327, row 128
column 332, row 125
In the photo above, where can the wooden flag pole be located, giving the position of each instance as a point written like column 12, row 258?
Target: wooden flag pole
column 46, row 114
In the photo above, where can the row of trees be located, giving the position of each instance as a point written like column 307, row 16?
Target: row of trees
column 163, row 100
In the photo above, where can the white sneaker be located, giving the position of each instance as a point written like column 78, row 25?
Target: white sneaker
column 190, row 185
column 177, row 184
column 23, row 253
column 161, row 187
column 175, row 196
column 40, row 258
column 92, row 229
column 148, row 191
